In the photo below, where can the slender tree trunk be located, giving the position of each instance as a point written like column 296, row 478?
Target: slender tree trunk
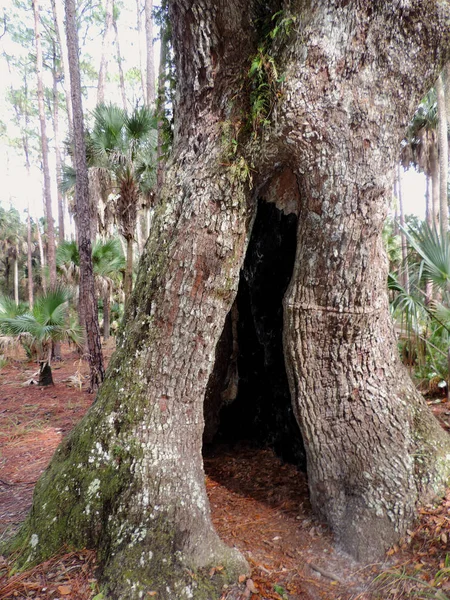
column 16, row 275
column 29, row 260
column 443, row 156
column 429, row 220
column 405, row 273
column 61, row 235
column 129, row 479
column 87, row 298
column 428, row 207
column 106, row 47
column 119, row 64
column 41, row 257
column 51, row 255
column 128, row 280
column 106, row 313
column 141, row 61
column 434, row 175
column 58, row 20
column 163, row 60
column 150, row 72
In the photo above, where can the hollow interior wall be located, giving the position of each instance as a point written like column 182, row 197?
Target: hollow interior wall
column 249, row 387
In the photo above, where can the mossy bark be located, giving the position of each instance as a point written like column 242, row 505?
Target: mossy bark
column 129, row 479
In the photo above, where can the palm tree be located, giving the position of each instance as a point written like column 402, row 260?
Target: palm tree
column 420, row 148
column 47, row 323
column 125, row 146
column 11, row 242
column 432, row 265
column 108, row 265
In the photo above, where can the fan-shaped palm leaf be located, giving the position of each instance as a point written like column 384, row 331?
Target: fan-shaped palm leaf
column 435, row 254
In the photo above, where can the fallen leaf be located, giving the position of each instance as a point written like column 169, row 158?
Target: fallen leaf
column 64, row 590
column 242, row 578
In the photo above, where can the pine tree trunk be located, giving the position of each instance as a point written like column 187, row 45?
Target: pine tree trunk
column 106, row 314
column 119, row 64
column 41, row 257
column 443, row 157
column 61, row 234
column 129, row 480
column 51, row 253
column 16, row 275
column 405, row 273
column 434, row 174
column 150, row 72
column 29, row 261
column 57, row 7
column 106, row 46
column 87, row 297
column 429, row 220
column 141, row 62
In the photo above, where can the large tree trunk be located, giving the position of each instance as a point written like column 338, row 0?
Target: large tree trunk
column 129, row 480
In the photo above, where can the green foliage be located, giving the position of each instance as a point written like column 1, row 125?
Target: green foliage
column 47, row 322
column 263, row 73
column 425, row 324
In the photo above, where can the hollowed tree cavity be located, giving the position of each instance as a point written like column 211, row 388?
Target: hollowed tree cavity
column 248, row 394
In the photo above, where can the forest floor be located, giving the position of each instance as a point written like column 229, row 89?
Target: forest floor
column 259, row 505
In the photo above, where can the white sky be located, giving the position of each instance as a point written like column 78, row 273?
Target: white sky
column 16, row 190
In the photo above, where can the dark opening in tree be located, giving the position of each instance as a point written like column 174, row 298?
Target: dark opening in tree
column 248, row 397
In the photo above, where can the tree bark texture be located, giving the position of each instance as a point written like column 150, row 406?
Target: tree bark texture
column 87, row 297
column 51, row 251
column 129, row 480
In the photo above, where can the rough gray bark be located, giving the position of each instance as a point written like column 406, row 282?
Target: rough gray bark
column 129, row 480
column 87, row 297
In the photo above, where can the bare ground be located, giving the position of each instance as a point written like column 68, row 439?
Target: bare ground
column 259, row 505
